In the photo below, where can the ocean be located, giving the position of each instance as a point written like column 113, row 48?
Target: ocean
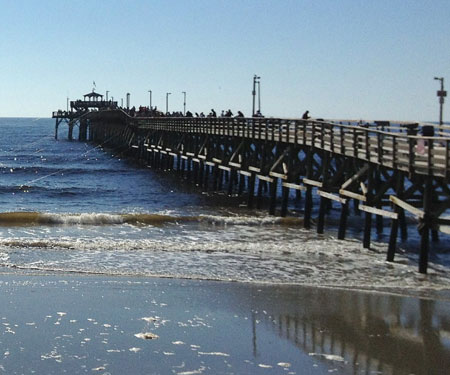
column 77, row 207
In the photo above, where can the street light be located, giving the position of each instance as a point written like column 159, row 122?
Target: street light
column 184, row 103
column 259, row 96
column 128, row 100
column 150, row 91
column 107, row 95
column 67, row 104
column 167, row 102
column 255, row 80
column 441, row 94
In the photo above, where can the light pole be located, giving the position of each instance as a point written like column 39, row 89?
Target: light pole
column 107, row 95
column 184, row 103
column 255, row 80
column 150, row 92
column 441, row 94
column 67, row 104
column 259, row 96
column 167, row 102
column 128, row 100
column 121, row 102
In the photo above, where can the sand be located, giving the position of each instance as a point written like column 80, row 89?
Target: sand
column 68, row 323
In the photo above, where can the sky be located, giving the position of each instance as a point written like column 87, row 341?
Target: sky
column 339, row 59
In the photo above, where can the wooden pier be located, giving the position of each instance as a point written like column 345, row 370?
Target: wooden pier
column 385, row 170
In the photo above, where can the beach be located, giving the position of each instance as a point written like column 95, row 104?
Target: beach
column 69, row 323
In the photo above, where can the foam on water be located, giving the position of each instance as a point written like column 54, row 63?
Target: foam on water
column 239, row 253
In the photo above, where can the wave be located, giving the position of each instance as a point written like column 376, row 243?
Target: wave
column 95, row 219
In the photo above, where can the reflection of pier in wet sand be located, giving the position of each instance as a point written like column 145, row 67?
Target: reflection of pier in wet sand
column 362, row 333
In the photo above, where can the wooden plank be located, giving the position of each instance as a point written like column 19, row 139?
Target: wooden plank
column 353, row 195
column 278, row 175
column 444, row 229
column 134, row 146
column 378, row 211
column 294, row 186
column 331, row 196
column 264, row 178
column 307, row 181
column 236, row 165
column 216, row 160
column 173, row 154
column 210, row 163
column 163, row 152
column 443, row 221
column 406, row 206
column 228, row 169
column 202, row 157
column 196, row 160
column 363, row 188
column 189, row 153
column 355, row 177
column 245, row 173
column 184, row 157
column 254, row 169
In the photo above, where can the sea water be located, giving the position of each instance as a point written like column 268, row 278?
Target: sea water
column 79, row 207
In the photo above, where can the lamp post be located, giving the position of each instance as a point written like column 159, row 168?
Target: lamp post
column 121, row 102
column 259, row 96
column 167, row 102
column 107, row 95
column 150, row 92
column 67, row 104
column 441, row 94
column 184, row 103
column 128, row 100
column 255, row 80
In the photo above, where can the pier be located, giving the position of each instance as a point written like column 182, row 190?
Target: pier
column 381, row 170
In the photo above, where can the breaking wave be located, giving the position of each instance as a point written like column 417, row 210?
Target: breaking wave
column 95, row 219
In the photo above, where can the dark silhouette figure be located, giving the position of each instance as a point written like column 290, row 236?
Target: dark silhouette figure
column 240, row 114
column 306, row 116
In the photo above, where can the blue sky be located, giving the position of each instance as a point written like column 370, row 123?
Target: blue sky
column 337, row 58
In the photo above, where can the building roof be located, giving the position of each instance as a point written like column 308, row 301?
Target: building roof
column 93, row 95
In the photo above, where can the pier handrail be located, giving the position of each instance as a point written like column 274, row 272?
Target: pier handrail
column 397, row 150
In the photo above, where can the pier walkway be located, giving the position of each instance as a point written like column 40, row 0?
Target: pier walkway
column 385, row 170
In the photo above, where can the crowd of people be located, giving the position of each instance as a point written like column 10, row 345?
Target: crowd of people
column 155, row 112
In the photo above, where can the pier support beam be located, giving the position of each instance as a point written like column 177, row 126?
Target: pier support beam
column 425, row 225
column 368, row 215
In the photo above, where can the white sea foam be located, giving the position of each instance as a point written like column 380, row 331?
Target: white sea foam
column 330, row 357
column 243, row 253
column 82, row 219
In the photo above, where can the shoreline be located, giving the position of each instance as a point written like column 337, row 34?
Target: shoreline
column 413, row 291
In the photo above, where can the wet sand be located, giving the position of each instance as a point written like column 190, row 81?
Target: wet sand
column 60, row 323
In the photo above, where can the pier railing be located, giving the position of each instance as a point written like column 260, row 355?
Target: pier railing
column 393, row 149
